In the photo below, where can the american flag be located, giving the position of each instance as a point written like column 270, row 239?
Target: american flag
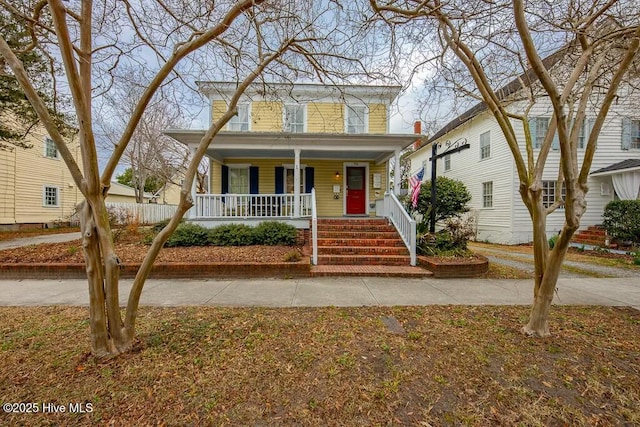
column 415, row 181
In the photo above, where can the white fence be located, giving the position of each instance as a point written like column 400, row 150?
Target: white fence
column 143, row 213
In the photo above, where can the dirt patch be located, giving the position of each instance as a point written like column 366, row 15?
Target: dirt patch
column 130, row 250
column 454, row 365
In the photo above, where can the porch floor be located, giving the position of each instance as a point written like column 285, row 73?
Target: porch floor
column 370, row 270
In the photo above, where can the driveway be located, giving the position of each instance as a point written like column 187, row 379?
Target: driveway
column 36, row 240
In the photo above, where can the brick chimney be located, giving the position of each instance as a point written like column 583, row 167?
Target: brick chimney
column 417, row 129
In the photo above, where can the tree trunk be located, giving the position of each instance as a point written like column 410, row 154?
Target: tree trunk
column 108, row 336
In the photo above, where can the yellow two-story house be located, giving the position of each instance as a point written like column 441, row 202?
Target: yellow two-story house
column 290, row 139
column 298, row 151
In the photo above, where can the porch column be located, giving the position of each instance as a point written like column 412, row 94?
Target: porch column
column 192, row 213
column 296, row 183
column 397, row 179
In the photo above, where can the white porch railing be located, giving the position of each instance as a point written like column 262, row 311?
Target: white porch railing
column 405, row 225
column 314, row 227
column 250, row 206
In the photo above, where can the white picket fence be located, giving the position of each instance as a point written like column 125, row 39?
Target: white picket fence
column 142, row 213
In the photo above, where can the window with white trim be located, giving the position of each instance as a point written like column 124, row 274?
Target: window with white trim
column 50, row 196
column 447, row 162
column 240, row 122
column 550, row 193
column 289, row 180
column 635, row 134
column 293, row 118
column 542, row 126
column 238, row 180
column 582, row 134
column 50, row 149
column 487, row 194
column 485, row 145
column 356, row 119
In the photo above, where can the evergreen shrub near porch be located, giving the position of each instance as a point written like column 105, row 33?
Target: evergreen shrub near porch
column 621, row 219
column 270, row 233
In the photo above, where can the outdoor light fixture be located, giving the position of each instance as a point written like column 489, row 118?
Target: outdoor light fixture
column 337, row 175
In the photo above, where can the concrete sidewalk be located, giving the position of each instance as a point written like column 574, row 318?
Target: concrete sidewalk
column 340, row 291
column 43, row 238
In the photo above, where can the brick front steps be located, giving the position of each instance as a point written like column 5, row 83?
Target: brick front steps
column 594, row 235
column 360, row 242
column 369, row 271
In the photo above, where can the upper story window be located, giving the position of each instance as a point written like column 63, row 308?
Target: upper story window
column 240, row 122
column 485, row 145
column 447, row 162
column 50, row 149
column 541, row 128
column 630, row 134
column 294, row 118
column 356, row 119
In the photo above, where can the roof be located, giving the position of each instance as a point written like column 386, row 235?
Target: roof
column 364, row 146
column 628, row 165
column 514, row 86
column 286, row 90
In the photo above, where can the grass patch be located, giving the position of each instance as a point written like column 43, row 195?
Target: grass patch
column 328, row 366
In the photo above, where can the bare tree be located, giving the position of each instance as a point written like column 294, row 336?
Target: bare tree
column 575, row 54
column 248, row 40
column 150, row 154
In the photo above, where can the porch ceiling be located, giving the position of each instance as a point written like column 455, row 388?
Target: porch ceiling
column 374, row 147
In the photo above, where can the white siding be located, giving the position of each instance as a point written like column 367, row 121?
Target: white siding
column 509, row 221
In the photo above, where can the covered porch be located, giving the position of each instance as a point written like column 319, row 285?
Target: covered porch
column 258, row 175
column 300, row 177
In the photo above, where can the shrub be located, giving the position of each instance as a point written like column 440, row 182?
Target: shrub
column 552, row 241
column 275, row 233
column 232, row 235
column 189, row 234
column 158, row 226
column 452, row 197
column 621, row 219
column 292, row 256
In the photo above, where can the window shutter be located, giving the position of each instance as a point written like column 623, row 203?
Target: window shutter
column 533, row 125
column 279, row 180
column 308, row 179
column 225, row 179
column 253, row 180
column 626, row 133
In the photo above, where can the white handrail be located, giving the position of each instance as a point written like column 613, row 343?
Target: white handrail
column 403, row 222
column 250, row 206
column 314, row 227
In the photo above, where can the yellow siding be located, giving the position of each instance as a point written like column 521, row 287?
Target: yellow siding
column 170, row 195
column 325, row 117
column 215, row 172
column 324, row 180
column 50, row 172
column 266, row 116
column 218, row 109
column 377, row 118
column 7, row 186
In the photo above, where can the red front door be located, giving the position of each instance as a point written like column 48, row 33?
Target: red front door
column 356, row 191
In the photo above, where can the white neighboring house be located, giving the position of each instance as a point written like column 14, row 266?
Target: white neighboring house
column 489, row 172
